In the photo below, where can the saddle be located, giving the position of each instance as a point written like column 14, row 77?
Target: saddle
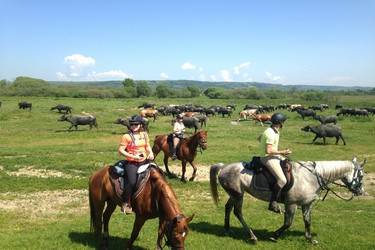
column 263, row 180
column 117, row 179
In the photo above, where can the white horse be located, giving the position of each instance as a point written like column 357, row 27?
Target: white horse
column 310, row 178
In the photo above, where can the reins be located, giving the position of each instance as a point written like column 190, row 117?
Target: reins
column 323, row 183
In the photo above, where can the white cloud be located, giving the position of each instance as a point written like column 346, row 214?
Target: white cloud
column 271, row 77
column 225, row 75
column 236, row 70
column 245, row 64
column 61, row 76
column 338, row 79
column 187, row 66
column 78, row 65
column 213, row 77
column 109, row 75
column 200, row 69
column 164, row 75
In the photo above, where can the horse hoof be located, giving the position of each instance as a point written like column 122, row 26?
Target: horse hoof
column 315, row 242
column 273, row 239
column 191, row 179
column 254, row 240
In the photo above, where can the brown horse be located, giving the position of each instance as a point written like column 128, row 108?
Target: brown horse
column 185, row 153
column 156, row 200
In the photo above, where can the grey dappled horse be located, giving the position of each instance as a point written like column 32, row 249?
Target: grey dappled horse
column 310, row 178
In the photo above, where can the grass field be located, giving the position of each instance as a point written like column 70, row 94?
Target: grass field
column 44, row 171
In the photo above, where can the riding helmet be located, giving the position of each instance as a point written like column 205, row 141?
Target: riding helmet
column 136, row 119
column 278, row 118
column 179, row 116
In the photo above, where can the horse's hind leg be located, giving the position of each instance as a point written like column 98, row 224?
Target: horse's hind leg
column 238, row 213
column 111, row 206
column 306, row 212
column 228, row 209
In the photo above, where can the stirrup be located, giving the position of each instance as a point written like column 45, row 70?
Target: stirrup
column 174, row 157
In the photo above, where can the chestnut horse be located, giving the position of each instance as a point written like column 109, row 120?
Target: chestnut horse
column 186, row 151
column 156, row 200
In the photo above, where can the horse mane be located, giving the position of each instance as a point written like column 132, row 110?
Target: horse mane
column 166, row 196
column 331, row 170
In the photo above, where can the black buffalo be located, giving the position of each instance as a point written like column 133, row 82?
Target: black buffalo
column 25, row 105
column 324, row 119
column 76, row 120
column 189, row 122
column 306, row 112
column 61, row 107
column 325, row 131
column 125, row 122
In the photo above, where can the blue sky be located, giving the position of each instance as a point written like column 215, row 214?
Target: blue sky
column 314, row 42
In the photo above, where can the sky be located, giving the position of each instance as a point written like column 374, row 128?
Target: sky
column 308, row 42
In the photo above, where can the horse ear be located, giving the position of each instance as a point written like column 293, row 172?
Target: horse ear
column 190, row 218
column 363, row 162
column 354, row 159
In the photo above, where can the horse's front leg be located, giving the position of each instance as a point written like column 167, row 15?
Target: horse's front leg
column 192, row 163
column 138, row 224
column 288, row 219
column 306, row 213
column 183, row 178
column 166, row 157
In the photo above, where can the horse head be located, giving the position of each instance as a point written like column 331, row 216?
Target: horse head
column 176, row 231
column 202, row 139
column 354, row 180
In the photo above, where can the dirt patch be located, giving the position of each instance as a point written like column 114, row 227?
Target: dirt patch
column 41, row 173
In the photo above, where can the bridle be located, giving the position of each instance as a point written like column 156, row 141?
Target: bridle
column 169, row 230
column 355, row 186
column 201, row 144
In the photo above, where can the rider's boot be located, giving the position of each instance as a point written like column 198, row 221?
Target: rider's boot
column 174, row 156
column 274, row 206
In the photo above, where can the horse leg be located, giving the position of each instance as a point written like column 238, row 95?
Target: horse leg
column 306, row 213
column 111, row 206
column 192, row 163
column 238, row 213
column 228, row 209
column 183, row 171
column 138, row 224
column 288, row 219
column 166, row 163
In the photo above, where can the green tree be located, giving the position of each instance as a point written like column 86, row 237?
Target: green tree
column 143, row 89
column 162, row 91
column 195, row 91
column 128, row 83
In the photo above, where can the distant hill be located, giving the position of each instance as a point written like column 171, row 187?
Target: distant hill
column 181, row 84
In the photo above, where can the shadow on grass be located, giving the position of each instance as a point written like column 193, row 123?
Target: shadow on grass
column 89, row 239
column 239, row 233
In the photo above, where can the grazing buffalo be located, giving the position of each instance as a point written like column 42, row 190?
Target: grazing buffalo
column 76, row 120
column 147, row 105
column 324, row 119
column 61, row 107
column 125, row 122
column 325, row 131
column 202, row 119
column 25, row 105
column 209, row 111
column 225, row 111
column 190, row 122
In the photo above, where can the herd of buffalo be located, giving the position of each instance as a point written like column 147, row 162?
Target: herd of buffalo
column 195, row 116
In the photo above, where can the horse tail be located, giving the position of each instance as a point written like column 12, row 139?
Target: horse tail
column 214, row 172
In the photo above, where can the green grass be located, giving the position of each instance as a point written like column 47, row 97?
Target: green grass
column 36, row 140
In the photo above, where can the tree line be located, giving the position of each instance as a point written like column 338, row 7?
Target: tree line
column 27, row 86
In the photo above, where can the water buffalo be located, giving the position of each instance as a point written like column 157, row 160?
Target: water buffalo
column 225, row 111
column 125, row 122
column 76, row 120
column 306, row 113
column 325, row 131
column 60, row 107
column 190, row 122
column 324, row 119
column 25, row 105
